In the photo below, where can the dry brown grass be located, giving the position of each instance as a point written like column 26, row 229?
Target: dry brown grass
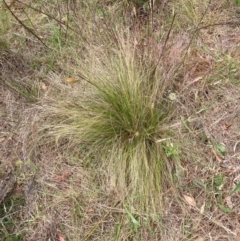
column 63, row 194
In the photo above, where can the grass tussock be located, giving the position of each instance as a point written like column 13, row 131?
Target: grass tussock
column 118, row 119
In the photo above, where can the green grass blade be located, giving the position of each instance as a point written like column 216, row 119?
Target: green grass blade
column 236, row 189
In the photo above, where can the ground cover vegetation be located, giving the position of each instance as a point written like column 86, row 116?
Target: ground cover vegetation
column 119, row 120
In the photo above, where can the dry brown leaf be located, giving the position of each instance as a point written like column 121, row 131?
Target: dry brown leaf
column 70, row 80
column 43, row 85
column 63, row 177
column 2, row 138
column 225, row 127
column 216, row 155
column 191, row 201
column 60, row 237
column 199, row 239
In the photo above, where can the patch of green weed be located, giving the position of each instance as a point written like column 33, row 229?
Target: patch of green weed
column 9, row 210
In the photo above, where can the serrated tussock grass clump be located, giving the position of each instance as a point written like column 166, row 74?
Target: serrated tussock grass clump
column 118, row 119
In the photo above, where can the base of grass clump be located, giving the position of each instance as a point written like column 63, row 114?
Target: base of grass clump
column 117, row 119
